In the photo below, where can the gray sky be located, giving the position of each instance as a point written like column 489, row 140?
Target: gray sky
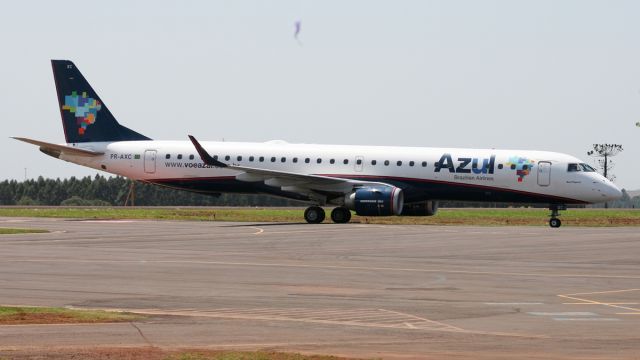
column 544, row 75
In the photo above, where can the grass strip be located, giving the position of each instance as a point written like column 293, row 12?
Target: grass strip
column 479, row 217
column 17, row 315
column 8, row 231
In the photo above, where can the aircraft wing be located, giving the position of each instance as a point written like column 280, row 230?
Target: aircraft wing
column 55, row 149
column 287, row 181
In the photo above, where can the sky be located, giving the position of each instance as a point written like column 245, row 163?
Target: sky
column 538, row 75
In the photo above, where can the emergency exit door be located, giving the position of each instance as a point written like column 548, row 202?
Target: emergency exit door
column 359, row 164
column 150, row 161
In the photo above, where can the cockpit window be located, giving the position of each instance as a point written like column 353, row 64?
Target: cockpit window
column 580, row 167
column 587, row 168
column 573, row 167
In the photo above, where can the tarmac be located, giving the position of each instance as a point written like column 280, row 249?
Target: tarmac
column 371, row 291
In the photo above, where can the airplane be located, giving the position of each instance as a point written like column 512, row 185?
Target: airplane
column 368, row 180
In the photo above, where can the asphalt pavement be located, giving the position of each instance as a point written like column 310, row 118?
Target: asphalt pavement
column 345, row 289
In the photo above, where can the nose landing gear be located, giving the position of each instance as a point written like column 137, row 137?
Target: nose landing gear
column 554, row 222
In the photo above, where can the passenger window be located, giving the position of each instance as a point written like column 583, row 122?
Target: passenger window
column 345, row 161
column 273, row 159
column 191, row 157
column 215, row 157
column 399, row 163
column 513, row 166
column 261, row 159
column 332, row 161
column 307, row 160
column 386, row 163
column 283, row 159
column 239, row 158
column 424, row 164
column 500, row 166
column 179, row 156
column 359, row 162
column 373, row 162
column 319, row 161
column 295, row 159
column 251, row 158
column 168, row 156
column 227, row 157
column 411, row 163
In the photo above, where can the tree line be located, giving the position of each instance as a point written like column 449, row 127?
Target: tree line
column 114, row 191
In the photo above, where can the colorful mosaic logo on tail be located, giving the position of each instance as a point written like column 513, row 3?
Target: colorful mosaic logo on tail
column 521, row 165
column 84, row 108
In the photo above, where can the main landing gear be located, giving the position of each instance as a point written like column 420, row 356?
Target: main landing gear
column 554, row 222
column 315, row 215
column 340, row 215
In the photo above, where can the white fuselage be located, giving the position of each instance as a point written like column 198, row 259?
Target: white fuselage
column 424, row 173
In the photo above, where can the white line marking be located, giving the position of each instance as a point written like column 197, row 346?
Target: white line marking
column 611, row 303
column 514, row 303
column 568, row 313
column 586, row 319
column 330, row 267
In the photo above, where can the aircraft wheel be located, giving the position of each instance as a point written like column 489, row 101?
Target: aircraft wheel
column 340, row 215
column 314, row 215
column 555, row 223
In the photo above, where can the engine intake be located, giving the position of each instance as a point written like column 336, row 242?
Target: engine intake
column 376, row 201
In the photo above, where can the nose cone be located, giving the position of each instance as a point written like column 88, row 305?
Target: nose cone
column 612, row 192
column 604, row 190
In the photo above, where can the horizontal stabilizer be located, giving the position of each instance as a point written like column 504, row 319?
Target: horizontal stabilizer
column 55, row 149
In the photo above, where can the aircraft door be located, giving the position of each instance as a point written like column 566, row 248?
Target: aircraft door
column 150, row 161
column 544, row 173
column 359, row 163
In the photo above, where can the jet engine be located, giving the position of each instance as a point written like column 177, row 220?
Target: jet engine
column 421, row 208
column 382, row 200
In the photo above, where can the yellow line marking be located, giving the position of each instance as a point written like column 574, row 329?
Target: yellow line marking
column 594, row 302
column 605, row 292
column 260, row 230
column 416, row 322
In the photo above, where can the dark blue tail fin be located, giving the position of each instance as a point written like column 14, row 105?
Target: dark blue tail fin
column 84, row 116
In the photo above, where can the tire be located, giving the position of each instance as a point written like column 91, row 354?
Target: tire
column 555, row 223
column 314, row 215
column 340, row 215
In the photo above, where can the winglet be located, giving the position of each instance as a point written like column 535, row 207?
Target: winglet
column 204, row 155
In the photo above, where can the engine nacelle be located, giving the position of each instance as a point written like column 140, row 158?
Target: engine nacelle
column 422, row 208
column 376, row 201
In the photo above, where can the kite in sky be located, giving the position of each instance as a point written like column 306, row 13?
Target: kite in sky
column 298, row 26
